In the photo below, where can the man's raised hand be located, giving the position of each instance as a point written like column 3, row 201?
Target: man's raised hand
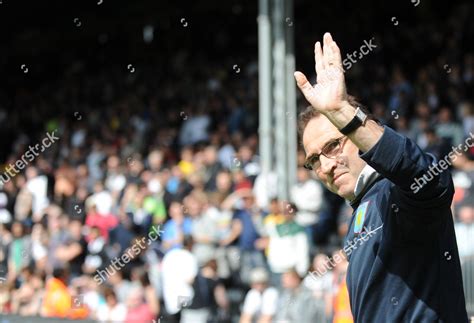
column 329, row 93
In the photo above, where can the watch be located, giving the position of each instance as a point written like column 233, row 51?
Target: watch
column 359, row 119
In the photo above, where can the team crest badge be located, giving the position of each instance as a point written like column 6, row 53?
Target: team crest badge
column 360, row 217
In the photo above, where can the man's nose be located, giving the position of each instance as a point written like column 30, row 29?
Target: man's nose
column 327, row 164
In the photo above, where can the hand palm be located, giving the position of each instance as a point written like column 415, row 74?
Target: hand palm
column 330, row 91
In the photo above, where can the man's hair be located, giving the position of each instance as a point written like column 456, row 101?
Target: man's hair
column 310, row 113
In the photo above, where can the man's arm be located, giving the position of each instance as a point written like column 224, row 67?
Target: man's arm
column 366, row 136
column 236, row 229
column 68, row 253
column 395, row 157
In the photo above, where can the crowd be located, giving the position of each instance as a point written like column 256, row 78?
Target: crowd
column 151, row 205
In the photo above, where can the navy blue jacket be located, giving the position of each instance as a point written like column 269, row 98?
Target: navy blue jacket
column 403, row 258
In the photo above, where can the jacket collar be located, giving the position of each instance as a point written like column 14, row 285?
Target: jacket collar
column 367, row 178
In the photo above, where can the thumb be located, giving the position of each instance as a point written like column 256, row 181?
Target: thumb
column 304, row 85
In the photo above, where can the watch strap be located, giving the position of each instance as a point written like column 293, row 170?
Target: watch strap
column 356, row 122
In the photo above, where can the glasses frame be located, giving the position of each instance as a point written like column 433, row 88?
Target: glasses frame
column 308, row 164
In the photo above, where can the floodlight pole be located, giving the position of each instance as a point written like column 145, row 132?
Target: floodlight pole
column 277, row 94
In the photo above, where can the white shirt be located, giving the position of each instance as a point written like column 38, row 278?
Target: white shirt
column 287, row 252
column 308, row 197
column 257, row 304
column 264, row 188
column 115, row 314
column 38, row 186
column 103, row 202
column 319, row 285
column 179, row 268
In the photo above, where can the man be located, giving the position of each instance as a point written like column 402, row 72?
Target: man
column 179, row 268
column 137, row 309
column 261, row 301
column 307, row 194
column 406, row 267
column 296, row 302
column 246, row 227
column 58, row 301
column 288, row 246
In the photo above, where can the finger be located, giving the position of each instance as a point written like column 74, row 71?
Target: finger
column 336, row 55
column 327, row 39
column 304, row 85
column 318, row 58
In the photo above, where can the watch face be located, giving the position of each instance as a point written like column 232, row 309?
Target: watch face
column 361, row 115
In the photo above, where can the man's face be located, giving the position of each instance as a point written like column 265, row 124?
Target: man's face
column 290, row 281
column 346, row 167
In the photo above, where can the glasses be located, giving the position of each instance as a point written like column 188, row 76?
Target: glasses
column 331, row 150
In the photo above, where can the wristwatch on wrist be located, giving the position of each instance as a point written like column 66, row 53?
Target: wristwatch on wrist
column 359, row 119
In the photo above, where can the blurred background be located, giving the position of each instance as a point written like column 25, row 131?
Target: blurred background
column 159, row 156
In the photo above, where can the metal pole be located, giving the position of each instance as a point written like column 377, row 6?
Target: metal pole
column 290, row 90
column 265, row 87
column 279, row 72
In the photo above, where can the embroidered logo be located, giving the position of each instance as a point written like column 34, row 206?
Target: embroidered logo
column 360, row 217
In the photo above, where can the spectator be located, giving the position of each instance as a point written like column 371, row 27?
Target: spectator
column 5, row 240
column 212, row 168
column 204, row 228
column 74, row 250
column 58, row 301
column 260, row 304
column 39, row 245
column 319, row 281
column 223, row 187
column 5, row 215
column 435, row 145
column 95, row 257
column 112, row 310
column 247, row 221
column 209, row 296
column 296, row 303
column 448, row 129
column 121, row 286
column 342, row 306
column 37, row 185
column 467, row 117
column 307, row 194
column 176, row 228
column 20, row 249
column 27, row 300
column 288, row 246
column 137, row 310
column 465, row 231
column 100, row 215
column 179, row 269
column 150, row 294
